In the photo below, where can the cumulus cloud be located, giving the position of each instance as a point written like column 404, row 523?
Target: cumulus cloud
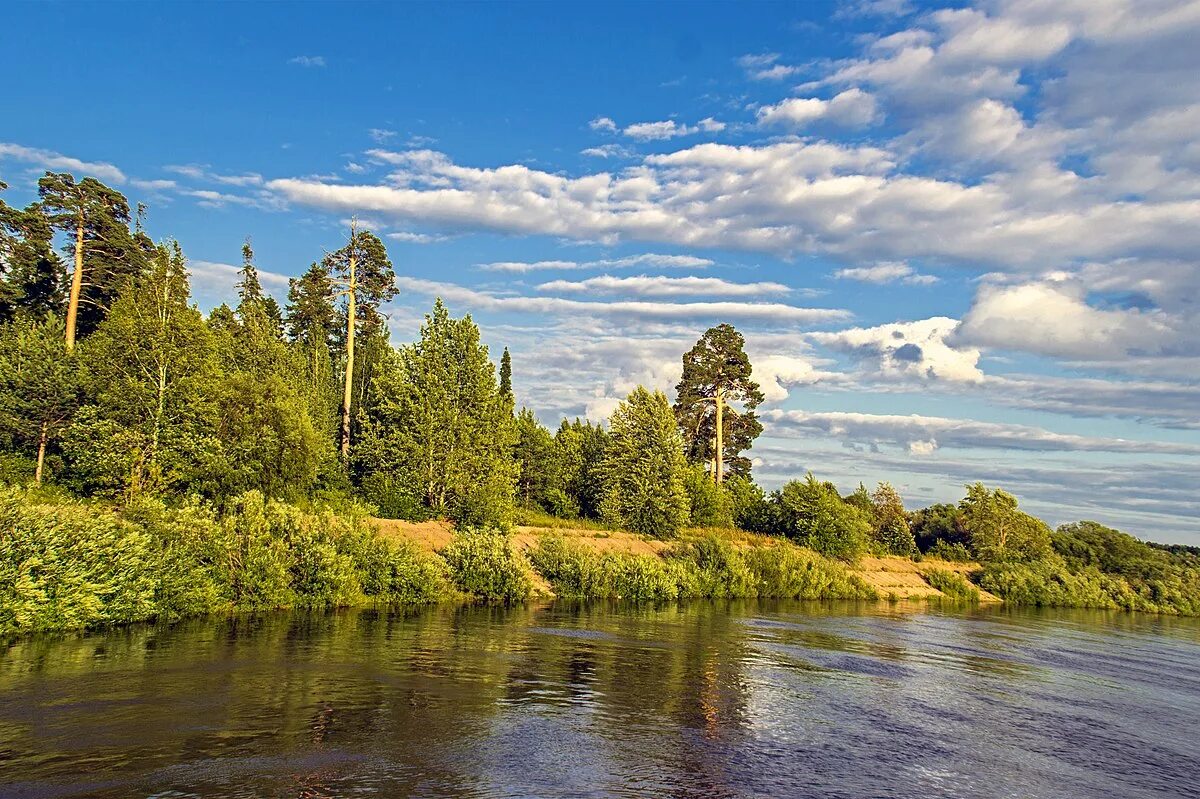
column 1055, row 319
column 659, row 286
column 669, row 129
column 852, row 108
column 918, row 349
column 604, row 124
column 885, row 272
column 50, row 160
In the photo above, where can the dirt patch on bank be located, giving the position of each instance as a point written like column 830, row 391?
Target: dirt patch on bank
column 906, row 579
column 434, row 535
column 890, row 576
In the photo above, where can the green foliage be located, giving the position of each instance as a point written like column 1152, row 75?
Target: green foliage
column 946, row 550
column 40, row 386
column 751, row 509
column 483, row 562
column 440, row 427
column 998, row 529
column 710, row 505
column 709, row 567
column 73, row 565
column 580, row 448
column 643, row 469
column 814, row 515
column 938, row 523
column 1046, row 583
column 891, row 532
column 952, row 584
column 718, row 365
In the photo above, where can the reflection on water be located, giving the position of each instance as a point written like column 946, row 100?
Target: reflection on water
column 695, row 700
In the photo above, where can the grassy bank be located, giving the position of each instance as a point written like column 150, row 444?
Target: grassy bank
column 71, row 565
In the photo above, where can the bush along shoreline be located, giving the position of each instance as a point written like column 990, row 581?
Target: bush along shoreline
column 71, row 565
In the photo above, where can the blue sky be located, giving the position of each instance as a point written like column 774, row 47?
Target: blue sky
column 960, row 239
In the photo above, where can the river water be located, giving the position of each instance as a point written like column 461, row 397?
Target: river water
column 701, row 699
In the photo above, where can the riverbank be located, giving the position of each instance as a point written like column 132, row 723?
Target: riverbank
column 67, row 564
column 890, row 577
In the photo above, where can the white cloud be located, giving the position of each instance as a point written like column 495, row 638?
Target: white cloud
column 765, row 66
column 50, row 160
column 917, row 349
column 308, row 60
column 656, row 131
column 604, row 124
column 1055, row 319
column 757, row 311
column 153, row 185
column 203, row 173
column 381, row 135
column 644, row 259
column 658, row 286
column 885, row 272
column 924, row 434
column 851, row 108
column 608, row 151
column 408, row 237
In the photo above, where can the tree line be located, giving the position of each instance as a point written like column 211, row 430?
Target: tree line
column 114, row 385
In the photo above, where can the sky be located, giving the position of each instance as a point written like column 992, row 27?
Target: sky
column 962, row 240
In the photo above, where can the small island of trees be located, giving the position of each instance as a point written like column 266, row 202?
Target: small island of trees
column 157, row 462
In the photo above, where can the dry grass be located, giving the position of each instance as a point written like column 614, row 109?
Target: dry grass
column 890, row 576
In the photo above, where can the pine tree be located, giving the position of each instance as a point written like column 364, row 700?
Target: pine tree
column 643, row 469
column 716, row 373
column 506, row 374
column 106, row 254
column 366, row 279
column 31, row 273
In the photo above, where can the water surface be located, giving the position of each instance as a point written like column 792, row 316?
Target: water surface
column 701, row 699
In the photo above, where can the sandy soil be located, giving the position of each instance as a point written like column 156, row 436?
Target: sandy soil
column 900, row 577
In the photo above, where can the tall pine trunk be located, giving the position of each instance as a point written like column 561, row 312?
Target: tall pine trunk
column 349, row 384
column 719, row 457
column 76, row 284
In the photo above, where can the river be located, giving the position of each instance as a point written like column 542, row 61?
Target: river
column 703, row 699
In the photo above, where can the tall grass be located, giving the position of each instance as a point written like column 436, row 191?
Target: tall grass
column 708, row 567
column 75, row 565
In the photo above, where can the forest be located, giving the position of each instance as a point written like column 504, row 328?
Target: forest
column 158, row 462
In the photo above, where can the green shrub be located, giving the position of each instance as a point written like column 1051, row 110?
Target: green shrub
column 709, row 504
column 710, row 567
column 716, row 568
column 75, row 565
column 954, row 552
column 952, row 584
column 192, row 560
column 1046, row 582
column 482, row 562
column 70, row 567
column 788, row 571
